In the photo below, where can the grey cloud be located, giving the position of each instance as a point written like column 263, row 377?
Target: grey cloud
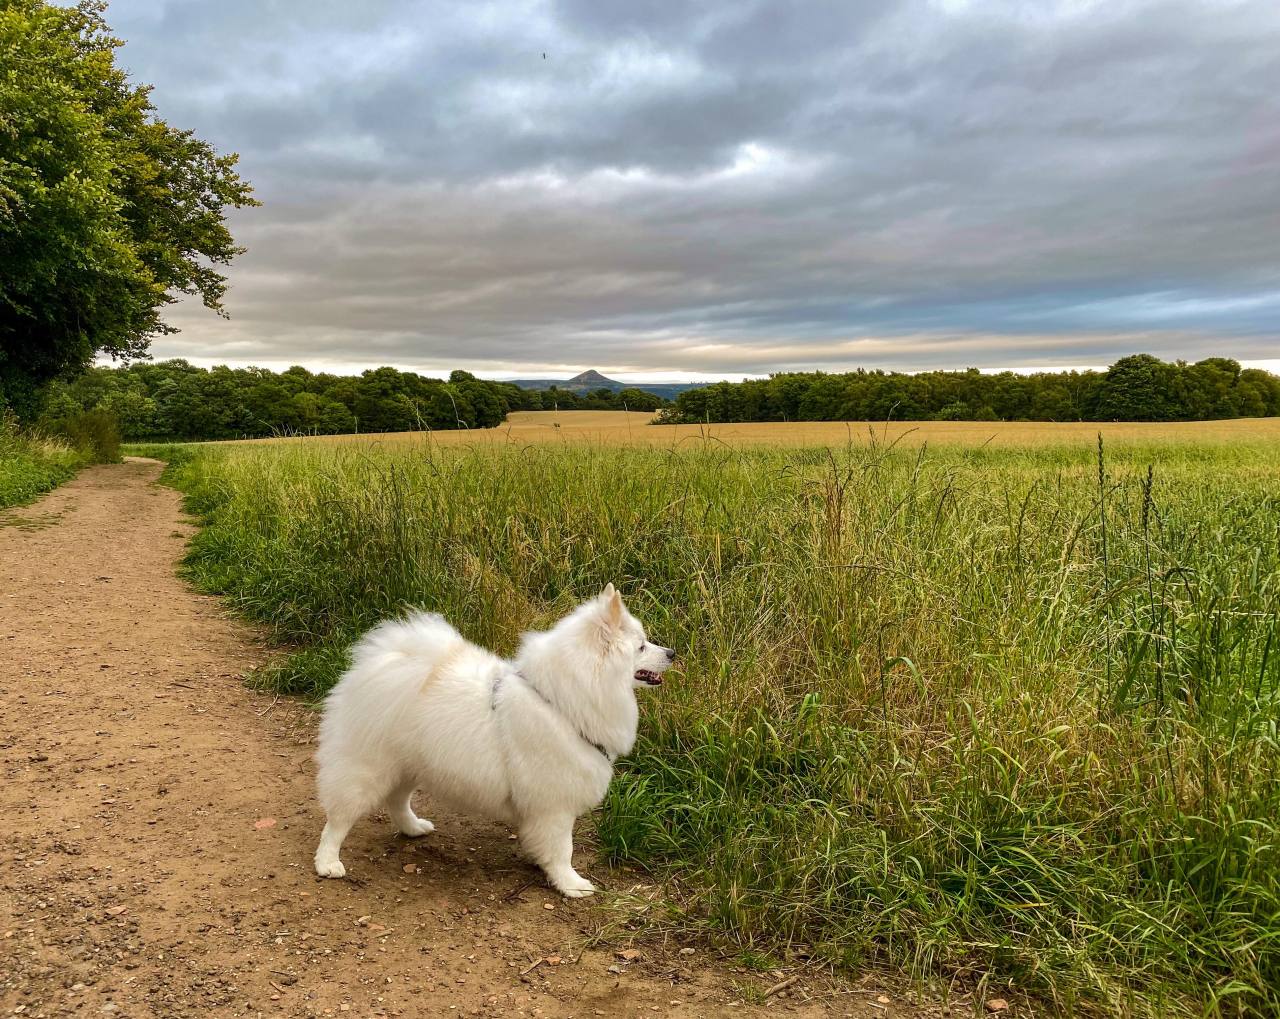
column 734, row 187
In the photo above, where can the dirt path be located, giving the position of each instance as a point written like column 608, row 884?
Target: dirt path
column 159, row 819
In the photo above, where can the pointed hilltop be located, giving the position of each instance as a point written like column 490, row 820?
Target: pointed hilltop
column 585, row 382
column 592, row 379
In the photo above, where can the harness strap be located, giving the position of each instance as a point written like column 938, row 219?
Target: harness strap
column 493, row 706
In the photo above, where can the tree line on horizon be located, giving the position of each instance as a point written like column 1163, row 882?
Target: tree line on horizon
column 175, row 400
column 1140, row 387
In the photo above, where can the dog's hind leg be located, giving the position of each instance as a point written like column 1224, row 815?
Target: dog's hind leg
column 549, row 841
column 400, row 807
column 346, row 799
column 328, row 863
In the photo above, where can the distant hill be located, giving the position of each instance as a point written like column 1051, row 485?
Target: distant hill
column 589, row 380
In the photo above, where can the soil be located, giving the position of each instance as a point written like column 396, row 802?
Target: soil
column 159, row 821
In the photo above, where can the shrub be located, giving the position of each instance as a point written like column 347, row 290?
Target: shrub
column 95, row 433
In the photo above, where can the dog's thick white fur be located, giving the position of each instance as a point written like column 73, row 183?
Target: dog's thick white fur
column 529, row 742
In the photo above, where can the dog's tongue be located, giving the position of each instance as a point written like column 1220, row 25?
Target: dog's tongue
column 651, row 678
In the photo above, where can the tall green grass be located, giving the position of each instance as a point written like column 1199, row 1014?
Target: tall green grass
column 1008, row 716
column 31, row 465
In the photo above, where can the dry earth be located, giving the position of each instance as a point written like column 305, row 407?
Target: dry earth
column 159, row 822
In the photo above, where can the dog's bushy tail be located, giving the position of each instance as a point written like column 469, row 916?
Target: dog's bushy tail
column 424, row 637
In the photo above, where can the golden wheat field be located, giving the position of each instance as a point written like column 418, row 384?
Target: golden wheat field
column 623, row 427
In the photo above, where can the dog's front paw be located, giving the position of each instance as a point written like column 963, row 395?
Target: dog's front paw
column 330, row 868
column 574, row 886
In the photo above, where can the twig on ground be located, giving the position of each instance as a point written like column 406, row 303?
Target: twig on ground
column 781, row 985
column 515, row 892
column 269, row 706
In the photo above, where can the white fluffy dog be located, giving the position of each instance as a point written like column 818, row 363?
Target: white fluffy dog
column 530, row 743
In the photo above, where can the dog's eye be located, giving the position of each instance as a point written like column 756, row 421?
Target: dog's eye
column 642, row 645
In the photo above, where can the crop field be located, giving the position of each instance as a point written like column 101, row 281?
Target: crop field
column 985, row 703
column 621, row 427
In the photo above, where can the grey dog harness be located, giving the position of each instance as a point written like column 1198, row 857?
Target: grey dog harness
column 493, row 706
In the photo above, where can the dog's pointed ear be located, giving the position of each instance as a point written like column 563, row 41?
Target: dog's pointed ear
column 611, row 607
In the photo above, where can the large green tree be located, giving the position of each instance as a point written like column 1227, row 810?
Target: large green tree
column 106, row 211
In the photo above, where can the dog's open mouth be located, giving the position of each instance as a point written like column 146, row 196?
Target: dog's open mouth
column 648, row 678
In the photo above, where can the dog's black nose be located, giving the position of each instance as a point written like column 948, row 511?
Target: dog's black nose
column 671, row 654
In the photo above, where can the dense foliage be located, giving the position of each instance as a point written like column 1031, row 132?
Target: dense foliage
column 106, row 211
column 1004, row 718
column 1136, row 388
column 176, row 400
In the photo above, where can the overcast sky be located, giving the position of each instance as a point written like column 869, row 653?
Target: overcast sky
column 715, row 189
